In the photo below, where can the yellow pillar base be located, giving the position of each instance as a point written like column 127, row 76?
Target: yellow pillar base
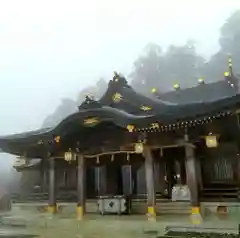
column 80, row 212
column 196, row 217
column 52, row 209
column 151, row 213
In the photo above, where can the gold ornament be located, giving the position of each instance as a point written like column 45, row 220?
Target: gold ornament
column 145, row 108
column 57, row 139
column 130, row 128
column 117, row 97
column 91, row 120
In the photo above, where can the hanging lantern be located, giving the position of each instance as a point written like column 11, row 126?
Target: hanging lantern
column 68, row 156
column 139, row 148
column 211, row 141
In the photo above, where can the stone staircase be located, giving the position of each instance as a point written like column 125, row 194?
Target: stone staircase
column 138, row 206
column 220, row 193
column 163, row 207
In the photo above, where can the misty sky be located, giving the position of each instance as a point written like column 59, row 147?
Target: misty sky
column 50, row 49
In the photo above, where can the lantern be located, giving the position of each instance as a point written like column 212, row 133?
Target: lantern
column 211, row 141
column 139, row 148
column 68, row 156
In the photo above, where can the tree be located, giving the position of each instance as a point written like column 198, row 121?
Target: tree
column 229, row 42
column 157, row 69
column 230, row 34
column 183, row 65
column 180, row 64
column 147, row 68
column 95, row 91
column 69, row 106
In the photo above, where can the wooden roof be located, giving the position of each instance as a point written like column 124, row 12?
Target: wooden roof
column 122, row 107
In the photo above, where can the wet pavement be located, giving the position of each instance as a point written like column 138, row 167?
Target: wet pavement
column 44, row 225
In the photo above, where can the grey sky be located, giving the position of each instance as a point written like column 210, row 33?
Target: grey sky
column 50, row 49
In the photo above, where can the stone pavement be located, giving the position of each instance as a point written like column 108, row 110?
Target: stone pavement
column 94, row 226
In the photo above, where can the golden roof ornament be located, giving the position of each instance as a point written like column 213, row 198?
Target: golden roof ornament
column 116, row 76
column 201, row 81
column 226, row 74
column 153, row 90
column 91, row 121
column 176, row 86
column 130, row 128
column 117, row 97
column 145, row 108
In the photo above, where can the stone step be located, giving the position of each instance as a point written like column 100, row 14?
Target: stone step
column 168, row 208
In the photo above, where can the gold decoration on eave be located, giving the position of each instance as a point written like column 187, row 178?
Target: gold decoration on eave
column 130, row 128
column 40, row 142
column 91, row 121
column 117, row 97
column 145, row 108
column 155, row 125
column 57, row 139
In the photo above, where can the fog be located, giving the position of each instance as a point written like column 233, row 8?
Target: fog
column 51, row 49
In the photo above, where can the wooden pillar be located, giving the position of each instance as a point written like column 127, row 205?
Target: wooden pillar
column 52, row 208
column 141, row 180
column 192, row 180
column 44, row 181
column 81, row 186
column 101, row 180
column 127, row 180
column 150, row 183
column 237, row 169
column 162, row 176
